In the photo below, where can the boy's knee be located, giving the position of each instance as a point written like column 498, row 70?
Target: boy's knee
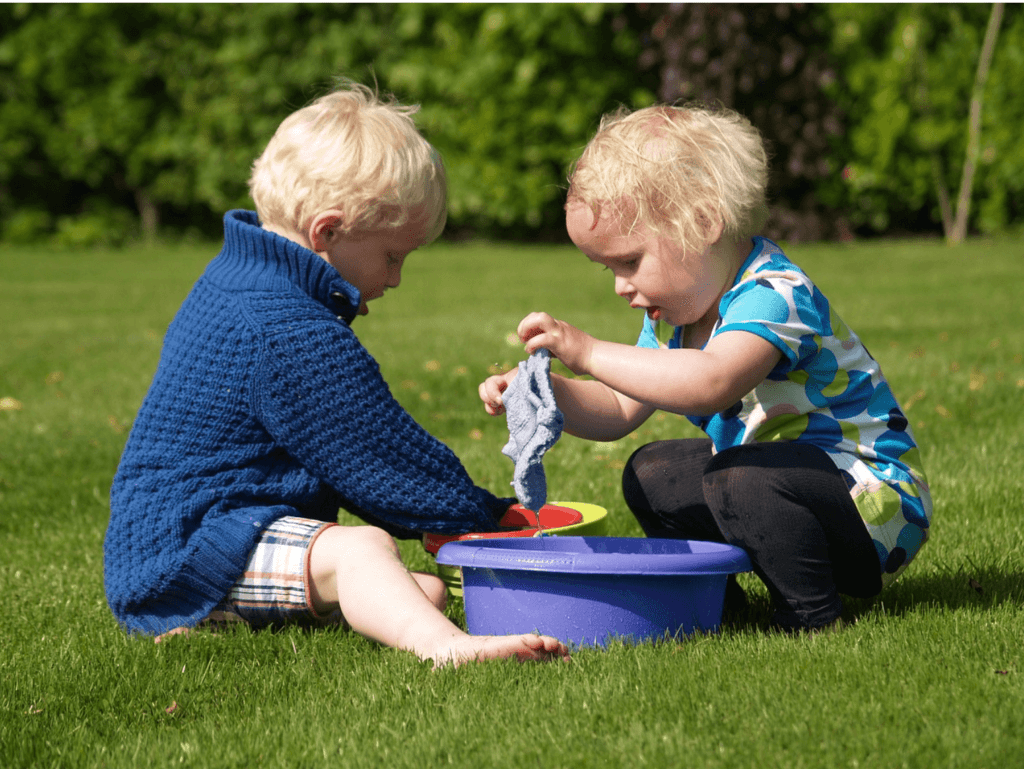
column 434, row 588
column 342, row 541
column 373, row 537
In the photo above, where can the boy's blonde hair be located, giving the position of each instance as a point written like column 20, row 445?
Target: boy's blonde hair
column 356, row 152
column 677, row 170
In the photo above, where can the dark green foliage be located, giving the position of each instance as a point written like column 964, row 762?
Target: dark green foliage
column 510, row 94
column 161, row 109
column 158, row 107
column 769, row 62
column 865, row 106
column 124, row 120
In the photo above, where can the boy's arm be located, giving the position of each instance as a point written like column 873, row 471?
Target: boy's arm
column 686, row 381
column 322, row 397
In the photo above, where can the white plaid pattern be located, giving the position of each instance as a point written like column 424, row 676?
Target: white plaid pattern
column 275, row 585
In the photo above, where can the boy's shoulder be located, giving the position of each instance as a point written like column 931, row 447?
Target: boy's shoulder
column 276, row 281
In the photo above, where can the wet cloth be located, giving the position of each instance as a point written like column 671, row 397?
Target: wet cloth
column 534, row 425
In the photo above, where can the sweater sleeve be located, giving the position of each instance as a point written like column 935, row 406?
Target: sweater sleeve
column 322, row 397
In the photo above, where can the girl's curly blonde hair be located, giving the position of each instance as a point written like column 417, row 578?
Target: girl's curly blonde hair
column 679, row 170
column 354, row 151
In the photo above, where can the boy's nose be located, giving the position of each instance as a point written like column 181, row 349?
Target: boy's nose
column 394, row 277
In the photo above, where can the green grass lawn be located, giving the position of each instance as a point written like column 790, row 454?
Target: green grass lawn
column 929, row 676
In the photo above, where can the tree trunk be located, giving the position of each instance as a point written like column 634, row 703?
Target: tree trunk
column 149, row 214
column 940, row 185
column 963, row 202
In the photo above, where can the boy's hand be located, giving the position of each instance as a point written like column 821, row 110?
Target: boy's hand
column 490, row 391
column 567, row 343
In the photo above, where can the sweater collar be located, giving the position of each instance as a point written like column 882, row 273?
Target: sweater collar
column 254, row 258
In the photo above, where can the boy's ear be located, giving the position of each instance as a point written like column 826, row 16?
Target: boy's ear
column 324, row 229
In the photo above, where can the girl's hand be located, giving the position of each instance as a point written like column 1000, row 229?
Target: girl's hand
column 490, row 391
column 567, row 343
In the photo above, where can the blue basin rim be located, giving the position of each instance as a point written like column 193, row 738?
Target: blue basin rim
column 597, row 555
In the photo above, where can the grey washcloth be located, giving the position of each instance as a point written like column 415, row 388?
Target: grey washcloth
column 534, row 424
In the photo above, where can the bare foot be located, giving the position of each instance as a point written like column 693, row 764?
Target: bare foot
column 526, row 647
column 169, row 633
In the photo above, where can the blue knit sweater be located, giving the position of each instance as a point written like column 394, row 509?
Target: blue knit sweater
column 265, row 404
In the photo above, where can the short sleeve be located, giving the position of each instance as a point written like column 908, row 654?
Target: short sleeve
column 784, row 308
column 648, row 338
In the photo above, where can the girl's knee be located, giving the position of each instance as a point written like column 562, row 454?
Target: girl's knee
column 635, row 474
column 632, row 489
column 645, row 455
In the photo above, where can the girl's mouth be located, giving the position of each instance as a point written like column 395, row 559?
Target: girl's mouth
column 654, row 313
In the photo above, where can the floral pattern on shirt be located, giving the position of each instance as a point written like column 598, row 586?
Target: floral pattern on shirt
column 827, row 390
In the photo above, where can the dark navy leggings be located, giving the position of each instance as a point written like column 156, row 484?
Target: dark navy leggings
column 786, row 504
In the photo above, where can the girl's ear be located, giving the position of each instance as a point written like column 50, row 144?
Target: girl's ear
column 716, row 230
column 324, row 228
column 711, row 225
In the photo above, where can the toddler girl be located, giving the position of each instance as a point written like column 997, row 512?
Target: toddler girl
column 809, row 464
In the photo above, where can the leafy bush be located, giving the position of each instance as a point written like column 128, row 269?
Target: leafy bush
column 26, row 225
column 99, row 224
column 908, row 75
column 511, row 94
column 160, row 109
column 164, row 107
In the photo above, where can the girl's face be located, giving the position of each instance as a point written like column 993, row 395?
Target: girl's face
column 653, row 272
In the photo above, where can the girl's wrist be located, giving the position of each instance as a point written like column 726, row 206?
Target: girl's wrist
column 597, row 362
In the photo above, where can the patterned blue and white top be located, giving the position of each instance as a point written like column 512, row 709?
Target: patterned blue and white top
column 826, row 390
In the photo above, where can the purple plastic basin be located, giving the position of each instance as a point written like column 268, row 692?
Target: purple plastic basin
column 588, row 590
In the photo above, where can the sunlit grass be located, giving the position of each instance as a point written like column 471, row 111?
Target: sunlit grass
column 929, row 676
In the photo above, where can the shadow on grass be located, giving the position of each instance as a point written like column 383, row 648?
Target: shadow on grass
column 953, row 589
column 966, row 587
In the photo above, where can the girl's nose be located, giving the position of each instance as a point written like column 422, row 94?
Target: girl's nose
column 623, row 287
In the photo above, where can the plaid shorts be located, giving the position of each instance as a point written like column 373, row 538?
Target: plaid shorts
column 275, row 589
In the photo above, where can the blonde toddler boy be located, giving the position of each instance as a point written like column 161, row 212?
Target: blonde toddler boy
column 266, row 414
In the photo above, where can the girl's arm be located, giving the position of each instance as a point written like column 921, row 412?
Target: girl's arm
column 687, row 381
column 591, row 410
column 595, row 411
